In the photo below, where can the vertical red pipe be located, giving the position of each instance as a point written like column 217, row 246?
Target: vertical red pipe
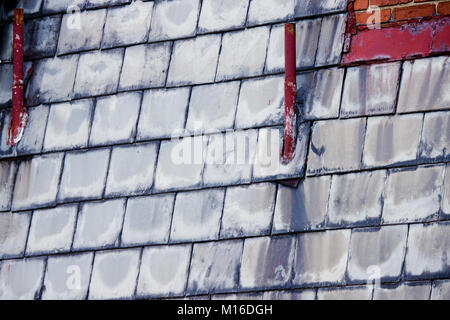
column 290, row 93
column 18, row 116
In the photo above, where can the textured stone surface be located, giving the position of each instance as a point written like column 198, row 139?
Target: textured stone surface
column 435, row 143
column 8, row 171
column 413, row 194
column 406, row 291
column 331, row 35
column 222, row 14
column 302, row 208
column 13, row 233
column 262, row 11
column 441, row 290
column 350, row 293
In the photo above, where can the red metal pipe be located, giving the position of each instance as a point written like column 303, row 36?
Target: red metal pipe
column 290, row 93
column 19, row 115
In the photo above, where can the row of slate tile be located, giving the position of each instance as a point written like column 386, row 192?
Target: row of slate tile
column 329, row 258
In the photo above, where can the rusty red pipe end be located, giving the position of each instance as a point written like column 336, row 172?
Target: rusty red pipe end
column 290, row 93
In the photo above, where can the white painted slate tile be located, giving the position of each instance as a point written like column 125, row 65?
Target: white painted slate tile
column 56, row 6
column 435, row 142
column 222, row 14
column 307, row 294
column 104, row 3
column 33, row 135
column 441, row 290
column 262, row 11
column 345, row 293
column 8, row 171
column 331, row 37
column 404, row 291
column 13, row 233
column 446, row 194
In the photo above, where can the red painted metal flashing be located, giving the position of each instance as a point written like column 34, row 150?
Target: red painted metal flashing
column 290, row 93
column 19, row 115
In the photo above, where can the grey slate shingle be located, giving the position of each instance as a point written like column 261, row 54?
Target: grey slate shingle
column 8, row 171
column 33, row 135
column 404, row 291
column 313, row 7
column 6, row 32
column 6, row 84
column 441, row 290
column 262, row 11
column 13, row 233
column 41, row 37
column 345, row 293
column 290, row 295
column 445, row 212
column 331, row 36
column 435, row 142
column 104, row 3
column 56, row 6
column 222, row 15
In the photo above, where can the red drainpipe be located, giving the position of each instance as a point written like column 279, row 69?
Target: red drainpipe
column 290, row 93
column 19, row 115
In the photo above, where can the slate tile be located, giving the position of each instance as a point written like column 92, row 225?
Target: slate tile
column 404, row 291
column 104, row 3
column 345, row 293
column 56, row 6
column 8, row 171
column 41, row 37
column 262, row 11
column 238, row 296
column 313, row 7
column 6, row 32
column 31, row 8
column 331, row 35
column 33, row 135
column 219, row 15
column 13, row 233
column 445, row 212
column 290, row 295
column 435, row 142
column 6, row 84
column 441, row 290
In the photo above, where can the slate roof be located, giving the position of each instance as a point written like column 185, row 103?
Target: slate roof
column 92, row 184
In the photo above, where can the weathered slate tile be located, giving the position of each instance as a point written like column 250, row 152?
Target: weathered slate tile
column 81, row 31
column 104, row 3
column 313, row 7
column 67, row 277
column 174, row 19
column 377, row 252
column 392, row 140
column 194, row 61
column 370, row 90
column 37, row 182
column 6, row 32
column 345, row 293
column 56, row 6
column 262, row 11
column 238, row 296
column 229, row 158
column 435, row 142
column 31, row 8
column 147, row 220
column 41, row 37
column 114, row 274
column 336, row 145
column 8, row 171
column 261, row 103
column 163, row 113
column 21, row 279
column 33, row 135
column 145, row 66
column 290, row 295
column 404, row 291
column 196, row 215
column 164, row 271
column 222, row 15
column 98, row 72
column 302, row 208
column 52, row 230
column 445, row 212
column 428, row 247
column 127, row 24
column 84, row 175
column 356, row 199
column 413, row 194
column 131, row 169
column 267, row 262
column 248, row 210
column 115, row 118
column 321, row 258
column 215, row 267
column 13, row 233
column 331, row 36
column 425, row 85
column 213, row 107
column 243, row 53
column 5, row 84
column 441, row 290
column 99, row 224
column 68, row 125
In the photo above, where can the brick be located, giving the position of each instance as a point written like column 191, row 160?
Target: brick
column 432, row 74
column 303, row 208
column 441, row 290
column 229, row 158
column 349, row 293
column 328, row 153
column 84, row 175
column 222, row 15
column 446, row 194
column 392, row 140
column 21, row 279
column 131, row 169
column 404, row 291
column 262, row 11
column 163, row 113
column 428, row 245
column 67, row 277
column 321, row 258
column 443, row 8
column 370, row 90
column 41, row 37
column 115, row 119
column 98, row 72
column 331, row 40
column 384, row 3
column 104, row 3
column 68, row 125
column 127, row 25
column 435, row 142
column 174, row 19
column 313, row 7
column 56, row 6
column 361, row 4
column 248, row 210
column 52, row 230
column 377, row 252
column 261, row 103
column 412, row 12
column 13, row 233
column 52, row 79
column 194, row 61
column 373, row 17
column 356, row 199
column 37, row 182
column 164, row 271
column 196, row 215
column 215, row 267
column 413, row 194
column 213, row 107
column 147, row 220
column 290, row 295
column 145, row 66
column 238, row 49
column 99, row 224
column 267, row 262
column 114, row 274
column 8, row 171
